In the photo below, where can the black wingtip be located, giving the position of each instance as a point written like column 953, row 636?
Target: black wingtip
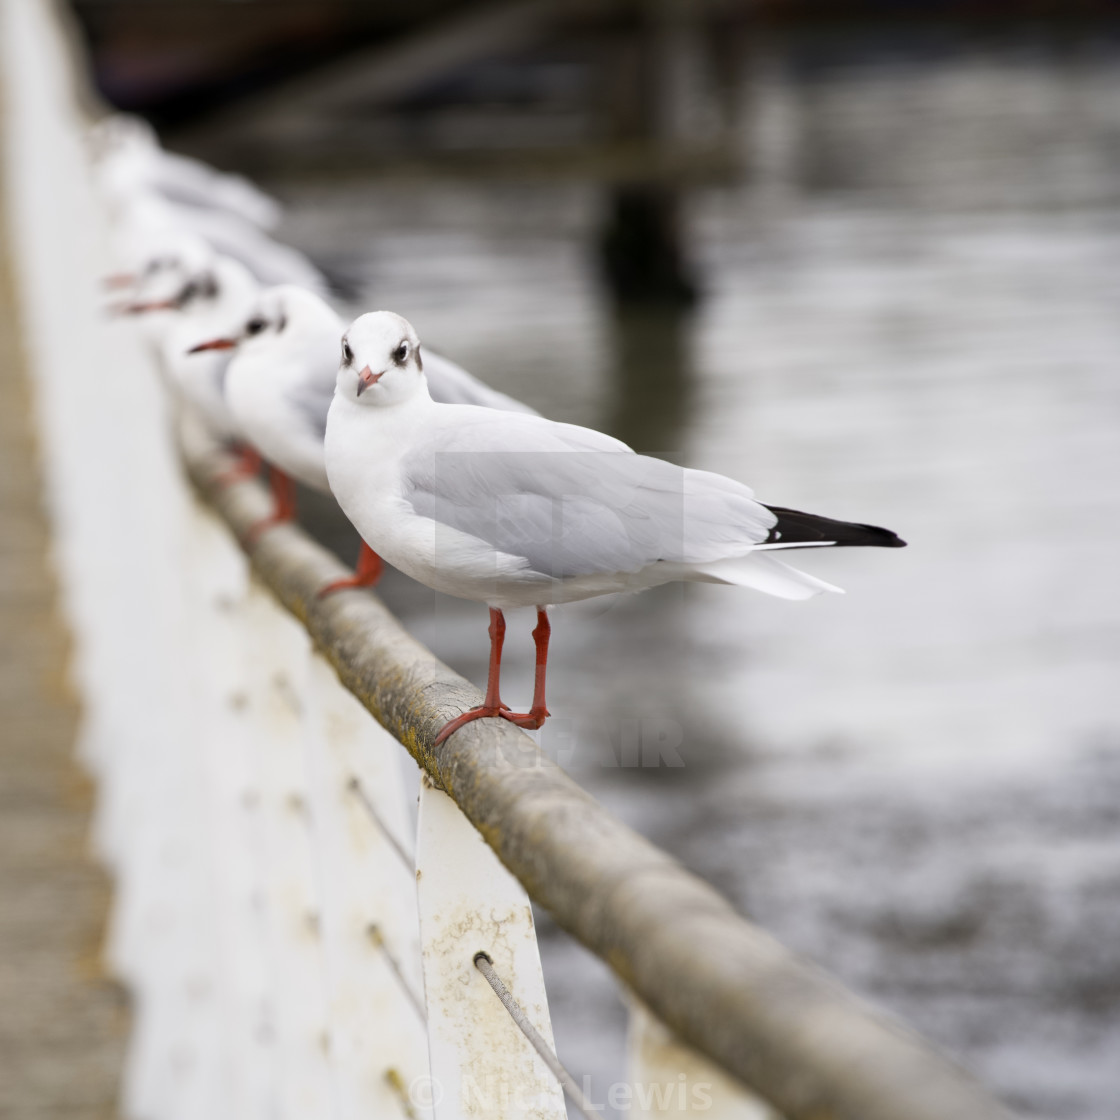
column 797, row 528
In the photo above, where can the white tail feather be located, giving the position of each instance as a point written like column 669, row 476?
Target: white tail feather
column 764, row 573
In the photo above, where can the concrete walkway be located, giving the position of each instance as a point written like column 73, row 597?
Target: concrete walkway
column 63, row 1023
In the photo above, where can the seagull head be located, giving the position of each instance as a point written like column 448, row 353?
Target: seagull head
column 179, row 292
column 284, row 318
column 381, row 361
column 175, row 271
column 163, row 286
column 262, row 321
column 119, row 133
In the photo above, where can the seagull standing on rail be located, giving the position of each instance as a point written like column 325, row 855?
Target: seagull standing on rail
column 213, row 300
column 182, row 298
column 279, row 388
column 153, row 195
column 158, row 270
column 144, row 217
column 128, row 158
column 514, row 510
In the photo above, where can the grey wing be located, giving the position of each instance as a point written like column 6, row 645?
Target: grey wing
column 570, row 502
column 449, row 383
column 194, row 183
column 270, row 261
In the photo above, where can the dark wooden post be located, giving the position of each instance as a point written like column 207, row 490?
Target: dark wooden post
column 641, row 244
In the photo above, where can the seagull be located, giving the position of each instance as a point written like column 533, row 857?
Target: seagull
column 151, row 194
column 513, row 510
column 279, row 387
column 212, row 301
column 142, row 217
column 128, row 157
column 179, row 306
column 157, row 268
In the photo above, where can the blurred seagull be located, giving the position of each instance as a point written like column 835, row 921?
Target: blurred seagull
column 143, row 218
column 157, row 270
column 178, row 307
column 213, row 301
column 279, row 387
column 516, row 510
column 128, row 159
column 152, row 194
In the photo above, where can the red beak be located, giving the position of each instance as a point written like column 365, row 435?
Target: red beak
column 119, row 280
column 367, row 378
column 213, row 344
column 149, row 305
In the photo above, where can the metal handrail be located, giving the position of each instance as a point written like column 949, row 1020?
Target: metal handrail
column 776, row 1023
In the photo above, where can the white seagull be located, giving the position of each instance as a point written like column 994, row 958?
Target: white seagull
column 142, row 217
column 515, row 510
column 128, row 157
column 179, row 306
column 212, row 301
column 279, row 387
column 157, row 270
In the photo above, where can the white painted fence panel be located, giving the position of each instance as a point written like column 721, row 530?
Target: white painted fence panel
column 248, row 1060
column 278, row 662
column 370, row 924
column 482, row 1065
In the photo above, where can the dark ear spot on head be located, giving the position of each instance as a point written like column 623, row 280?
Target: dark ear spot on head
column 282, row 322
column 419, row 360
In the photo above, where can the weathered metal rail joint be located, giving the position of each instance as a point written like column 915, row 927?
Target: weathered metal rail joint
column 774, row 1022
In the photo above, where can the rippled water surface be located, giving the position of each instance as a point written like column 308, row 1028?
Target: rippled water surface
column 912, row 317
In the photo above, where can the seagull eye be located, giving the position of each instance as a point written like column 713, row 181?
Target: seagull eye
column 347, row 353
column 255, row 325
column 401, row 353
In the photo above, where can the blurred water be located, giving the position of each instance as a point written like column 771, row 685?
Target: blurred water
column 911, row 319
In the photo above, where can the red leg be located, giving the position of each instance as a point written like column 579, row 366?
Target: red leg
column 284, row 496
column 247, row 465
column 366, row 574
column 492, row 704
column 538, row 713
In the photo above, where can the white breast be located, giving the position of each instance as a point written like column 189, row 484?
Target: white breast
column 364, row 449
column 278, row 429
column 363, row 469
